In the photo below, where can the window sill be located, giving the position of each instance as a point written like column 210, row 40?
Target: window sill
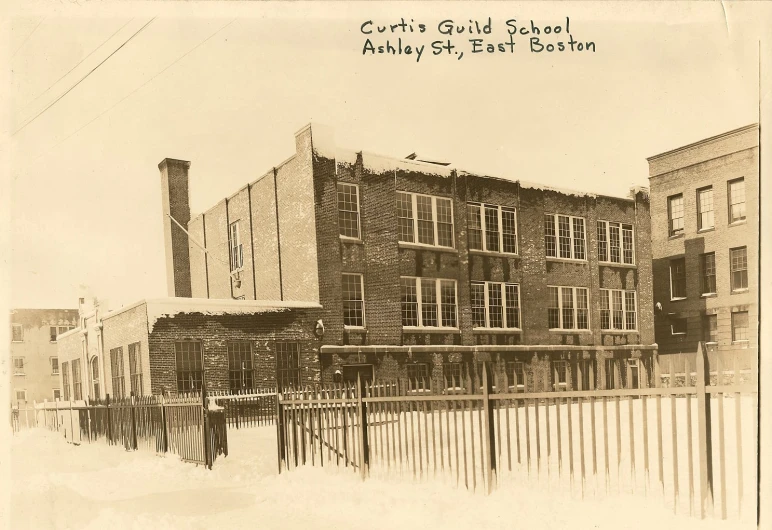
column 677, row 334
column 406, row 329
column 620, row 265
column 352, row 240
column 739, row 291
column 742, row 343
column 16, row 341
column 704, row 230
column 19, row 374
column 708, row 295
column 494, row 254
column 355, row 328
column 556, row 330
column 619, row 331
column 419, row 246
column 567, row 260
column 678, row 299
column 675, row 236
column 738, row 223
column 496, row 331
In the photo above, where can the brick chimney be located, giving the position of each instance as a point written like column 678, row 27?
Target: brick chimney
column 176, row 207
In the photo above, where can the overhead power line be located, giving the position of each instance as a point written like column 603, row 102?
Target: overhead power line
column 84, row 77
column 127, row 96
column 27, row 38
column 79, row 63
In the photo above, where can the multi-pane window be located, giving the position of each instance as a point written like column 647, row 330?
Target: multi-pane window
column 21, row 395
column 55, row 331
column 675, row 214
column 287, row 364
column 516, row 375
column 135, row 369
column 617, row 310
column 18, row 366
column 677, row 278
column 240, row 367
column 568, row 308
column 705, row 217
column 17, row 333
column 418, row 376
column 495, row 305
column 66, row 380
column 77, row 383
column 611, row 373
column 634, row 368
column 740, row 326
column 234, row 241
column 678, row 326
column 348, row 210
column 425, row 219
column 57, row 394
column 710, row 328
column 452, row 373
column 95, row 377
column 492, row 228
column 586, row 374
column 708, row 272
column 559, row 375
column 54, row 365
column 190, row 366
column 116, row 368
column 564, row 236
column 428, row 302
column 738, row 258
column 736, row 193
column 353, row 301
column 615, row 242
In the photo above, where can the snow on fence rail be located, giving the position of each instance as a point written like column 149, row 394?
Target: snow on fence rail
column 179, row 424
column 246, row 408
column 689, row 439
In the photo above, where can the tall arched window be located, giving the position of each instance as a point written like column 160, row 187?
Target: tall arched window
column 95, row 377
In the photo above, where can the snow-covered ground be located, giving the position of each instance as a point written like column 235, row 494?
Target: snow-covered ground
column 96, row 486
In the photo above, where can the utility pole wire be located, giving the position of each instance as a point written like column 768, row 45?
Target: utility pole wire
column 127, row 96
column 79, row 63
column 84, row 77
column 27, row 38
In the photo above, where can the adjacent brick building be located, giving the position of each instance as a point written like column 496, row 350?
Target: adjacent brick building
column 33, row 352
column 175, row 344
column 424, row 271
column 705, row 233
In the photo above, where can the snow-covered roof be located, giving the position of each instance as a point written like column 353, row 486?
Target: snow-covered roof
column 170, row 307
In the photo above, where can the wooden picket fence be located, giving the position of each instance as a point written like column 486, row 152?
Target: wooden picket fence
column 185, row 424
column 591, row 442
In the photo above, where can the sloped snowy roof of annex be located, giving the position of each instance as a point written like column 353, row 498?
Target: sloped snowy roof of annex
column 169, row 307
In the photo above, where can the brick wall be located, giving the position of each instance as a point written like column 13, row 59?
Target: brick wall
column 712, row 163
column 382, row 259
column 262, row 331
column 120, row 330
column 175, row 202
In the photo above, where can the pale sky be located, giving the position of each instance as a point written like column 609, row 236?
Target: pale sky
column 85, row 195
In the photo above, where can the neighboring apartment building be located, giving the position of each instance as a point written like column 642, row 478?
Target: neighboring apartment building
column 424, row 271
column 34, row 360
column 705, row 234
column 176, row 344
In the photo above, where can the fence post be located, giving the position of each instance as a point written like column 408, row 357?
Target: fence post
column 207, row 446
column 35, row 411
column 704, row 429
column 109, row 422
column 164, row 431
column 56, row 412
column 489, row 434
column 364, row 445
column 72, row 429
column 133, row 423
column 280, row 430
